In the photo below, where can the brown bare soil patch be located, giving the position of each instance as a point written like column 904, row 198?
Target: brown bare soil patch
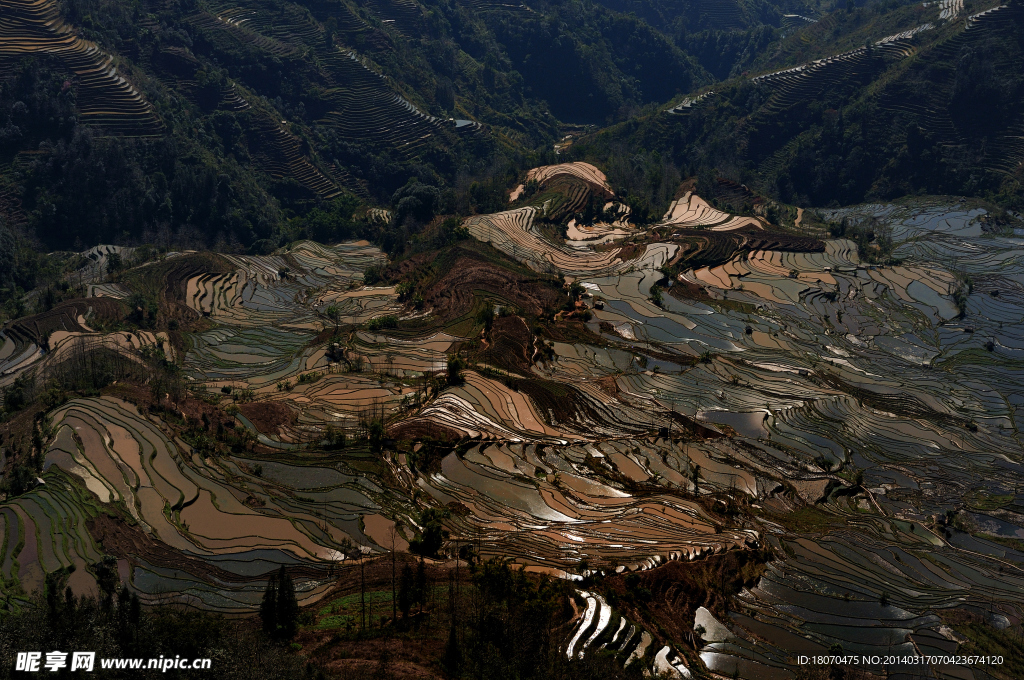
column 401, row 652
column 268, row 416
column 735, row 196
column 510, row 344
column 556, row 402
column 452, row 295
column 326, row 334
column 139, row 395
column 189, row 408
column 421, row 429
column 410, row 266
column 631, row 251
column 608, row 385
column 572, row 331
column 452, row 280
column 688, row 184
column 684, row 290
column 760, row 239
column 694, row 427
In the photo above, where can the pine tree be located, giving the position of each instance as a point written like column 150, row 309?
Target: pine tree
column 287, row 606
column 52, row 601
column 268, row 608
column 405, row 591
column 124, row 630
column 420, row 589
column 452, row 654
column 135, row 613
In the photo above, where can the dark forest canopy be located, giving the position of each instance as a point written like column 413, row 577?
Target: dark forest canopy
column 291, row 124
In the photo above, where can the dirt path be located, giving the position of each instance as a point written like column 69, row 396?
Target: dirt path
column 799, row 216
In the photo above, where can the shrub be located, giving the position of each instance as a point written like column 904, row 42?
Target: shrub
column 433, row 536
column 656, row 296
column 378, row 323
column 456, row 364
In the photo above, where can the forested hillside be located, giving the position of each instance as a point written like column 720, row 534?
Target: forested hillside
column 866, row 104
column 244, row 125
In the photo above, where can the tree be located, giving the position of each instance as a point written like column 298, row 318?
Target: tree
column 129, row 614
column 420, row 588
column 333, row 314
column 433, row 536
column 114, row 263
column 268, row 607
column 19, row 481
column 8, row 261
column 375, row 433
column 384, row 669
column 334, row 437
column 142, row 311
column 485, row 316
column 456, row 364
column 287, row 606
column 452, row 654
column 416, row 200
column 19, row 393
column 334, row 221
column 656, row 297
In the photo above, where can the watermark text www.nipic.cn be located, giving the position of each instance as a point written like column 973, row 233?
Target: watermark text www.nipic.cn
column 900, row 660
column 37, row 662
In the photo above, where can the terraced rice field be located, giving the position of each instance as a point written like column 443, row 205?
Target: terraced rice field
column 262, row 291
column 819, row 355
column 269, row 309
column 181, row 502
column 948, row 9
column 901, row 399
column 104, row 98
column 794, row 85
column 279, row 153
column 543, row 506
column 513, row 232
column 47, row 340
column 688, row 103
column 584, row 171
column 693, row 211
column 756, row 379
column 208, row 530
column 789, row 89
column 599, row 626
column 362, row 105
column 516, row 233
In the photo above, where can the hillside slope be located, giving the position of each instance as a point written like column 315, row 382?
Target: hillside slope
column 934, row 107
